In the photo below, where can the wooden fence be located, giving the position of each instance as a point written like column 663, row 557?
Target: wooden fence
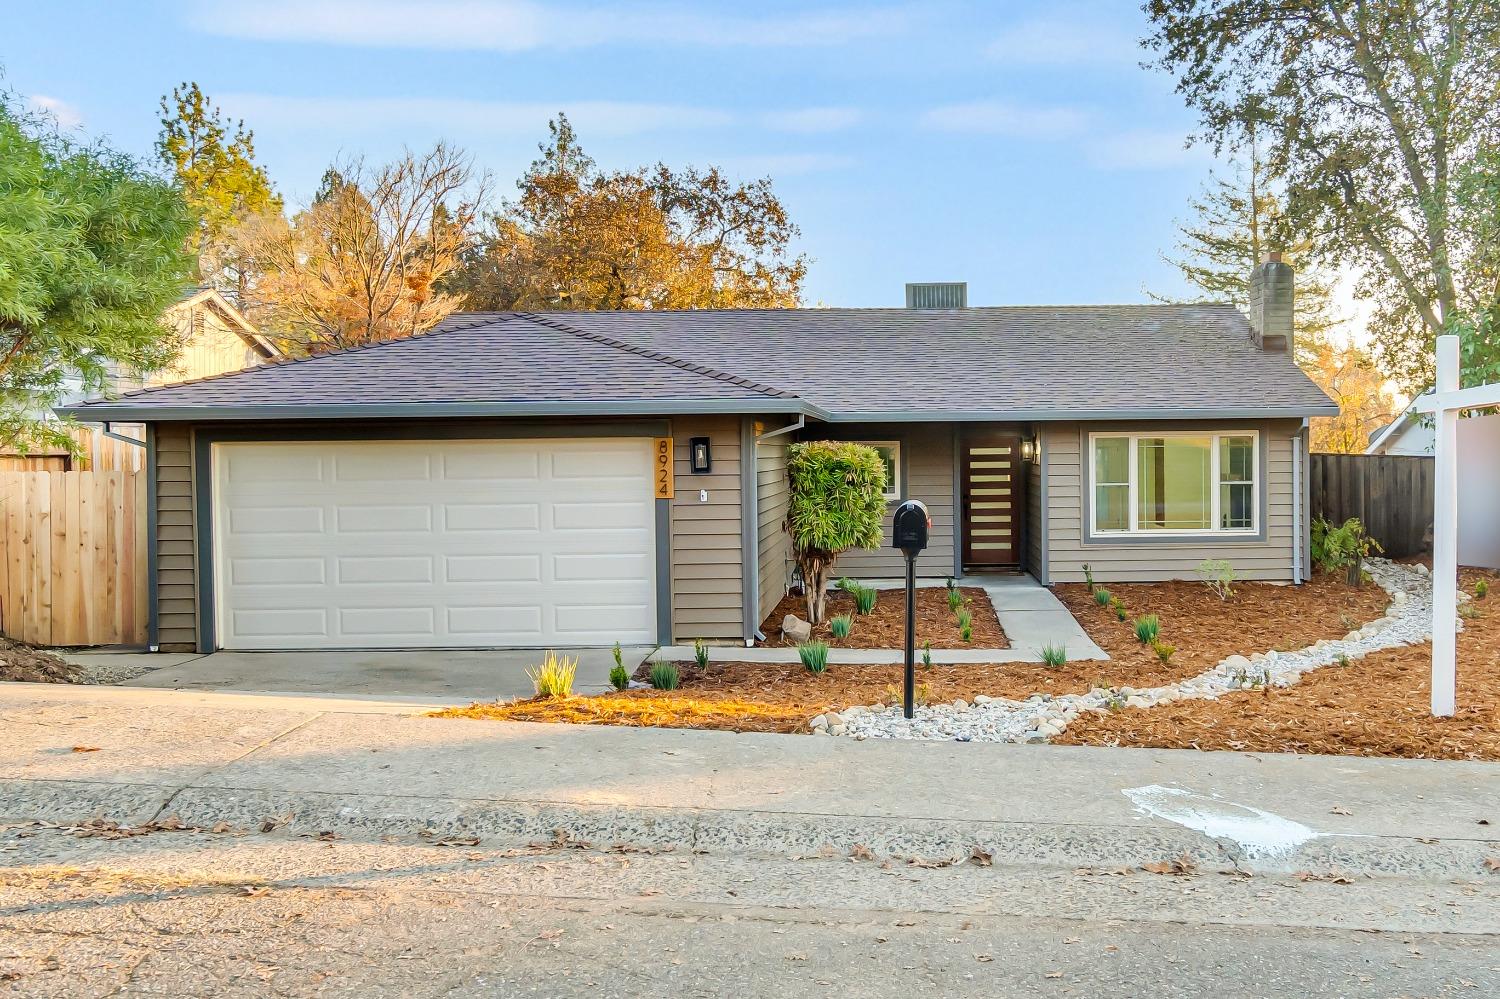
column 1390, row 494
column 74, row 551
column 96, row 453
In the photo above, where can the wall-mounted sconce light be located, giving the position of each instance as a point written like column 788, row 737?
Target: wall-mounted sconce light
column 702, row 457
column 1028, row 449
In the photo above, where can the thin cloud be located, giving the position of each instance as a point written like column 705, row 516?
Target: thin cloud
column 1053, row 41
column 66, row 115
column 1145, row 149
column 521, row 25
column 325, row 114
column 1005, row 118
column 809, row 121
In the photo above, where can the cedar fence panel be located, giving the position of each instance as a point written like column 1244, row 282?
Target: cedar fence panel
column 1391, row 494
column 73, row 557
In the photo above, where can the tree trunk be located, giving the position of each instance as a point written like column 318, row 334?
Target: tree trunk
column 815, row 572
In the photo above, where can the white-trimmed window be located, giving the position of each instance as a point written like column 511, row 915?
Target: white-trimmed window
column 1175, row 483
column 890, row 453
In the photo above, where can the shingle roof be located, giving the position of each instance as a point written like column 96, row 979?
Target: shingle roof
column 1043, row 362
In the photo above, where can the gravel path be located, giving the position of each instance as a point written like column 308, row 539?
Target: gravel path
column 1408, row 621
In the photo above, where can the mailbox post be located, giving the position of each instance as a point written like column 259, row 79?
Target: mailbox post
column 909, row 533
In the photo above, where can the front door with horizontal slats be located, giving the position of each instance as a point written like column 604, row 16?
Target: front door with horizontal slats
column 991, row 507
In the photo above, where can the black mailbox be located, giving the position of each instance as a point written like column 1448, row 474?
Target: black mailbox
column 910, row 527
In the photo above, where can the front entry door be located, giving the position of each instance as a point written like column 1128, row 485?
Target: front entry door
column 991, row 501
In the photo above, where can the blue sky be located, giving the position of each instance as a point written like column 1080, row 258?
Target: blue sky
column 1017, row 146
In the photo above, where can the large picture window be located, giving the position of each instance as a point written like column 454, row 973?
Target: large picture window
column 1175, row 483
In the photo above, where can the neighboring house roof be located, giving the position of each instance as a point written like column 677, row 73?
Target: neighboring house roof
column 1389, row 435
column 1009, row 363
column 215, row 300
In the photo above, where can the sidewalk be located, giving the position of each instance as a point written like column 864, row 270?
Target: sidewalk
column 368, row 769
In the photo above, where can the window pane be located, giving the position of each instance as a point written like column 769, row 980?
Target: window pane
column 888, row 455
column 1175, row 492
column 1112, row 508
column 1236, row 506
column 1236, row 459
column 1112, row 459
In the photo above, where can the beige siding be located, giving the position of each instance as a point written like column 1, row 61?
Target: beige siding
column 1141, row 561
column 210, row 346
column 707, row 570
column 775, row 545
column 927, row 456
column 176, row 579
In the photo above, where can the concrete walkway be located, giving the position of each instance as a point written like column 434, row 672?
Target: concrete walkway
column 428, row 674
column 364, row 772
column 1029, row 614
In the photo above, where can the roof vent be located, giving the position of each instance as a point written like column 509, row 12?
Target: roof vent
column 938, row 295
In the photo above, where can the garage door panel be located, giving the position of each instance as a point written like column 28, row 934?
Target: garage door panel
column 431, row 544
column 510, row 518
column 383, row 570
column 382, row 519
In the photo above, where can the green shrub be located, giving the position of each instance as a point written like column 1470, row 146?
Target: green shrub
column 1147, row 628
column 1468, row 611
column 927, row 655
column 955, row 600
column 1054, row 656
column 664, row 676
column 836, row 502
column 864, row 599
column 846, row 584
column 1162, row 649
column 554, row 677
column 1481, row 589
column 700, row 653
column 1120, row 613
column 1217, row 574
column 619, row 677
column 1102, row 597
column 964, row 616
column 1343, row 548
column 1088, row 576
column 966, row 631
column 840, row 625
column 814, row 656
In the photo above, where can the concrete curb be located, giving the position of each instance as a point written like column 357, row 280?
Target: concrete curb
column 511, row 824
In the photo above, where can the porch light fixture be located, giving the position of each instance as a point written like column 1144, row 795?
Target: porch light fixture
column 702, row 457
column 1028, row 449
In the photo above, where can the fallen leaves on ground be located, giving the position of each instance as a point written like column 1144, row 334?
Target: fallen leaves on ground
column 85, row 749
column 1332, row 877
column 27, row 664
column 1181, row 867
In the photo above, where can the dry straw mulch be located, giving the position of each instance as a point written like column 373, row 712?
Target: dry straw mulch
column 885, row 627
column 1376, row 706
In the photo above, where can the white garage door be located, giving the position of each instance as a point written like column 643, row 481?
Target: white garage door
column 437, row 544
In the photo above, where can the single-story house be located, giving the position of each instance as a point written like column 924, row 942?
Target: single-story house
column 530, row 480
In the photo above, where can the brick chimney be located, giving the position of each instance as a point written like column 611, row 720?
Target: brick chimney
column 1271, row 305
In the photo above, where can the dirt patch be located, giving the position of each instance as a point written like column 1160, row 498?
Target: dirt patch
column 1204, row 629
column 22, row 663
column 1376, row 706
column 885, row 626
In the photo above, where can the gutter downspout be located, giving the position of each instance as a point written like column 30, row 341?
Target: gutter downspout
column 749, row 531
column 801, row 422
column 1297, row 500
column 121, row 437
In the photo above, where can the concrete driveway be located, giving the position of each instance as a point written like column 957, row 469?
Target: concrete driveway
column 428, row 674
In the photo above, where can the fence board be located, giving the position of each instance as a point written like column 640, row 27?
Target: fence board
column 73, row 557
column 1391, row 494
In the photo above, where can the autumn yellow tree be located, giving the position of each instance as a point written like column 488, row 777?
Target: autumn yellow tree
column 577, row 237
column 363, row 262
column 1365, row 401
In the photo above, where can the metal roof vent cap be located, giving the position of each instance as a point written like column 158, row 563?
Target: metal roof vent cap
column 938, row 295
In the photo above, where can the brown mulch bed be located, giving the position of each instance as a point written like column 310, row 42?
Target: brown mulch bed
column 1376, row 706
column 1204, row 629
column 23, row 663
column 885, row 626
column 759, row 697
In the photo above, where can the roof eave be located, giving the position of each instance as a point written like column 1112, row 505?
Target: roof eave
column 1053, row 415
column 127, row 413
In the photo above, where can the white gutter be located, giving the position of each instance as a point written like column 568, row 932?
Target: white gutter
column 801, row 422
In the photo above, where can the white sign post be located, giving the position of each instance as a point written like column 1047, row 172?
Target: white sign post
column 1445, row 403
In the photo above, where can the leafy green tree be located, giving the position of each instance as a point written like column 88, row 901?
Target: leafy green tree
column 91, row 252
column 650, row 238
column 214, row 162
column 837, row 502
column 1378, row 117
